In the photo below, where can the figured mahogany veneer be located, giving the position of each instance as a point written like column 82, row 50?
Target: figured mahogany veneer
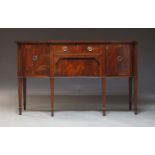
column 77, row 59
column 36, row 60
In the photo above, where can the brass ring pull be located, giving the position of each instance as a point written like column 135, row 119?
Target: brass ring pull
column 65, row 49
column 119, row 58
column 89, row 48
column 34, row 58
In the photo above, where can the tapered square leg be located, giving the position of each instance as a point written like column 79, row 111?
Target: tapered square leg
column 104, row 96
column 135, row 95
column 130, row 93
column 20, row 80
column 24, row 93
column 52, row 95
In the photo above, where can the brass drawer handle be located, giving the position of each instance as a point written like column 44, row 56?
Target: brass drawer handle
column 120, row 58
column 89, row 48
column 34, row 58
column 65, row 49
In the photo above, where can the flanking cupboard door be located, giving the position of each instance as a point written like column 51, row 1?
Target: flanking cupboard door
column 36, row 60
column 119, row 60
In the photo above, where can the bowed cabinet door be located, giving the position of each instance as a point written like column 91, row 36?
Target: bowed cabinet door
column 36, row 60
column 118, row 60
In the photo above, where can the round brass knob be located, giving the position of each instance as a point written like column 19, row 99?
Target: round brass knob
column 65, row 48
column 89, row 48
column 107, row 48
column 119, row 58
column 34, row 58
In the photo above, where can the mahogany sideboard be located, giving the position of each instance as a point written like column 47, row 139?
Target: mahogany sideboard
column 100, row 59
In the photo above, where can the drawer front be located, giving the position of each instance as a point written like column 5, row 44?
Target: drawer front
column 118, row 60
column 77, row 67
column 85, row 49
column 36, row 60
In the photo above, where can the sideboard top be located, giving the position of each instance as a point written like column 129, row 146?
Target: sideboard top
column 76, row 42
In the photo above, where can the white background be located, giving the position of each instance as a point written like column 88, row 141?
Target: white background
column 77, row 14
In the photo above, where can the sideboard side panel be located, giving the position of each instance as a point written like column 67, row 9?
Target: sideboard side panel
column 19, row 61
column 135, row 60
